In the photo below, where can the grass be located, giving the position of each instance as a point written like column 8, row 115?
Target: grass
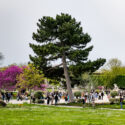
column 53, row 115
column 110, row 106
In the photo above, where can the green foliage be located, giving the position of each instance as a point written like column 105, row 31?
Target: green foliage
column 114, row 94
column 88, row 81
column 41, row 101
column 114, row 101
column 2, row 103
column 38, row 94
column 115, row 74
column 97, row 90
column 79, row 100
column 120, row 80
column 30, row 78
column 77, row 94
column 60, row 37
column 15, row 94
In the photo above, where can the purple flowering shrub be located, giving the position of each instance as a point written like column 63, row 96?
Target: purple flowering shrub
column 8, row 77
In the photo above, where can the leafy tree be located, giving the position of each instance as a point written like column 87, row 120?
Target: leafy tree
column 88, row 81
column 112, row 63
column 115, row 74
column 62, row 39
column 30, row 78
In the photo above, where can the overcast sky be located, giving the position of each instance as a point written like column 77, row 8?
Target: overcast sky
column 103, row 20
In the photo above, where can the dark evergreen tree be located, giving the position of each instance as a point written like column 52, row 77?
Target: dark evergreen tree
column 62, row 38
column 1, row 57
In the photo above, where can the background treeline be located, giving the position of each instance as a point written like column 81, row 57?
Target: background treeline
column 113, row 73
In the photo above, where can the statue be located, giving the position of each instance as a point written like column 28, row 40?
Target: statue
column 116, row 87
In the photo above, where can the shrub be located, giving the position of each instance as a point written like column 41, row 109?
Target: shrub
column 77, row 94
column 15, row 94
column 2, row 103
column 80, row 100
column 97, row 90
column 114, row 101
column 40, row 101
column 123, row 101
column 38, row 95
column 114, row 94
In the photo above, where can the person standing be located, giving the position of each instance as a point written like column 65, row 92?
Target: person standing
column 7, row 96
column 93, row 100
column 52, row 98
column 102, row 94
column 99, row 96
column 48, row 99
column 66, row 98
column 19, row 97
column 56, row 99
column 3, row 96
column 121, row 100
column 34, row 99
column 83, row 101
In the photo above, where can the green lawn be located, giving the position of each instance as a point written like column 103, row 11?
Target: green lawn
column 110, row 106
column 51, row 115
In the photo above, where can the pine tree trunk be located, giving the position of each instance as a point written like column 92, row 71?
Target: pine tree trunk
column 68, row 81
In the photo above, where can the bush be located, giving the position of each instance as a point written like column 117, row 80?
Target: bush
column 114, row 101
column 15, row 94
column 2, row 103
column 77, row 94
column 97, row 90
column 80, row 100
column 40, row 101
column 114, row 94
column 38, row 95
column 123, row 101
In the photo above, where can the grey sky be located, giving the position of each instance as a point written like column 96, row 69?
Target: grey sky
column 104, row 20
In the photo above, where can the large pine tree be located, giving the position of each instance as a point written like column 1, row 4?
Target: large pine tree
column 62, row 38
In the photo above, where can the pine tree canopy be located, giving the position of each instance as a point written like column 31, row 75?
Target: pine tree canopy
column 60, row 37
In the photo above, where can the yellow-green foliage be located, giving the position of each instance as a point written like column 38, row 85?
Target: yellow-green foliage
column 112, row 76
column 30, row 77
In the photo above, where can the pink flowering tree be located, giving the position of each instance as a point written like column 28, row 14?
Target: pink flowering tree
column 8, row 77
column 1, row 79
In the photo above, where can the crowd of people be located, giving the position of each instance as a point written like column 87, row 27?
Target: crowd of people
column 55, row 97
column 6, row 96
column 92, row 96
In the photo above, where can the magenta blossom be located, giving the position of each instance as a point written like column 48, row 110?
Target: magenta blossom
column 8, row 77
column 41, row 87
